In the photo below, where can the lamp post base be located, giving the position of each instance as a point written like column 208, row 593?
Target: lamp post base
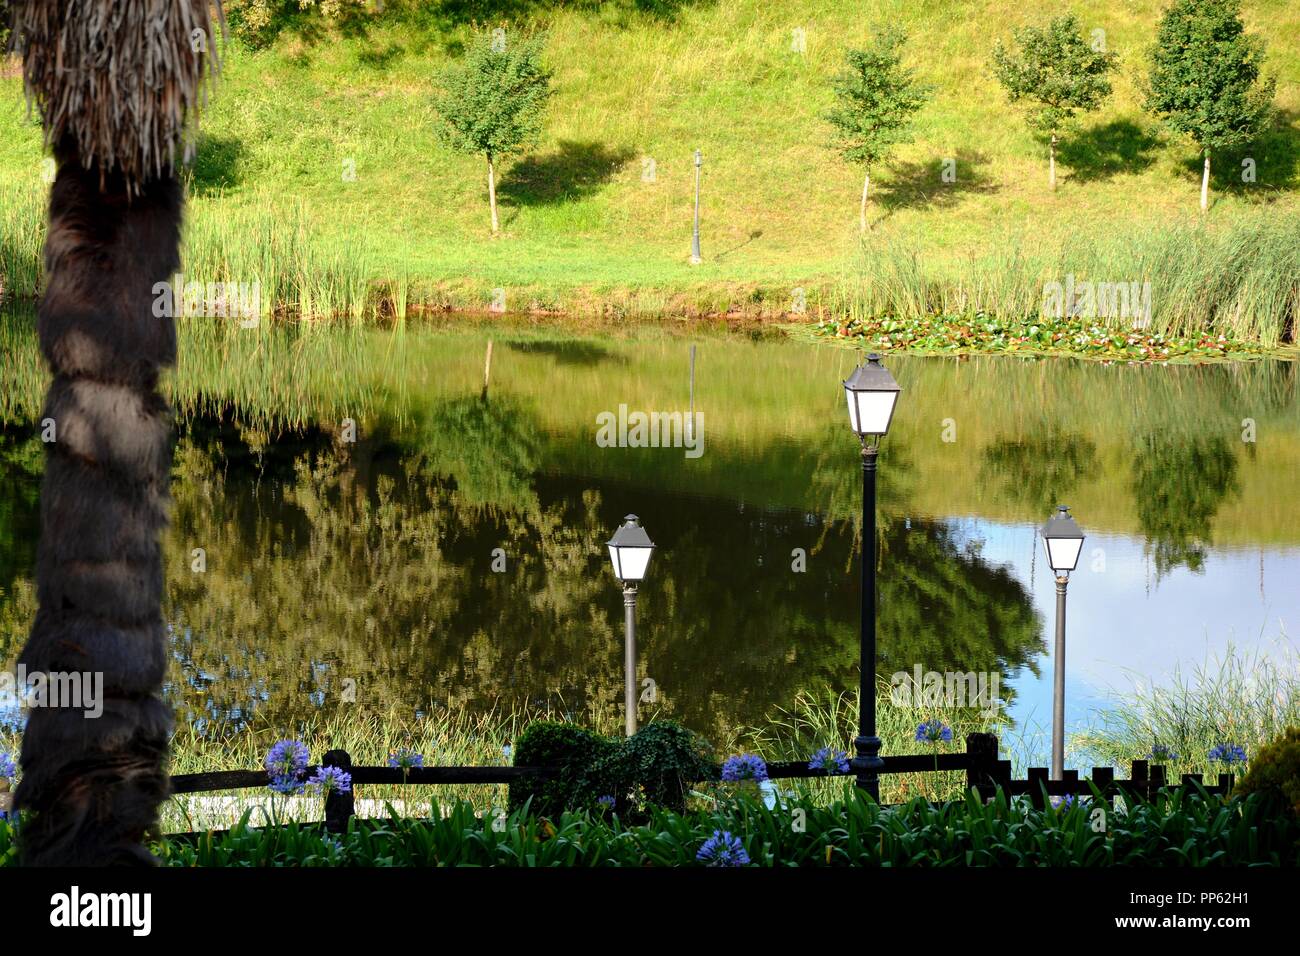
column 867, row 764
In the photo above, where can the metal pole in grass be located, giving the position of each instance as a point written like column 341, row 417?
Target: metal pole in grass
column 871, row 394
column 1063, row 540
column 629, row 551
column 695, row 236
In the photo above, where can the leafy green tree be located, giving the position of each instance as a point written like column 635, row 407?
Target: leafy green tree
column 876, row 97
column 1205, row 78
column 1057, row 73
column 492, row 102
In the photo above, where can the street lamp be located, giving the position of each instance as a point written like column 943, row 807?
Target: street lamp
column 695, row 236
column 871, row 393
column 1063, row 540
column 629, row 552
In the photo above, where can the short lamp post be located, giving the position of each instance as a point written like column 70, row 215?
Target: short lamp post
column 871, row 393
column 695, row 234
column 1063, row 540
column 629, row 552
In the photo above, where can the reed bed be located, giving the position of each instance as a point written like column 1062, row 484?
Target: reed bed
column 1242, row 278
column 830, row 719
column 1244, row 697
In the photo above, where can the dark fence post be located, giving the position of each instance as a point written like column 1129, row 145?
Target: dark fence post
column 982, row 751
column 1037, row 777
column 1138, row 778
column 339, row 807
column 1158, row 780
column 1103, row 778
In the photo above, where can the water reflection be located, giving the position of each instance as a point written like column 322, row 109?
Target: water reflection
column 327, row 564
column 1180, row 485
column 369, row 564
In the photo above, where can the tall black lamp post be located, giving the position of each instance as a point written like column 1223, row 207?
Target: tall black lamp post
column 629, row 552
column 871, row 393
column 1063, row 540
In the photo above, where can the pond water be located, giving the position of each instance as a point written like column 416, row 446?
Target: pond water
column 453, row 554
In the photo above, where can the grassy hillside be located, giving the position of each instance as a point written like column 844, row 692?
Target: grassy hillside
column 582, row 227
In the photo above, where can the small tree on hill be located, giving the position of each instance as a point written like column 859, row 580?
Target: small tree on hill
column 1057, row 73
column 876, row 97
column 492, row 102
column 1205, row 78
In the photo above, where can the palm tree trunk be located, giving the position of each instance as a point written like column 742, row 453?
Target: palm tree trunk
column 91, row 784
column 492, row 194
column 862, row 207
column 94, row 768
column 1205, row 184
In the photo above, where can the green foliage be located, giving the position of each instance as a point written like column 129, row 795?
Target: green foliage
column 493, row 101
column 655, row 767
column 256, row 23
column 963, row 334
column 1275, row 770
column 1244, row 697
column 876, row 97
column 1205, row 75
column 1179, row 829
column 659, row 763
column 1179, row 485
column 1056, row 70
column 575, row 751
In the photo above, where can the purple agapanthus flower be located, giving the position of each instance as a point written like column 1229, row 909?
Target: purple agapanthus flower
column 330, row 780
column 1161, row 752
column 933, row 732
column 1228, row 753
column 606, row 801
column 7, row 772
column 744, row 767
column 723, row 849
column 404, row 758
column 285, row 765
column 1065, row 802
column 830, row 760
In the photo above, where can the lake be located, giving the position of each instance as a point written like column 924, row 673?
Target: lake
column 372, row 530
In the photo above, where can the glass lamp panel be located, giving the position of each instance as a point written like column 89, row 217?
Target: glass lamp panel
column 1063, row 553
column 874, row 411
column 849, row 394
column 632, row 562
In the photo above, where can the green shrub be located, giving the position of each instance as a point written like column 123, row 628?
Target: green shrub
column 575, row 752
column 1275, row 770
column 663, row 759
column 653, row 768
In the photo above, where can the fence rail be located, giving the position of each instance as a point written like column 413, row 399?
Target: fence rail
column 985, row 773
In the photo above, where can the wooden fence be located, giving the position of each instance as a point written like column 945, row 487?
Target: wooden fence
column 984, row 773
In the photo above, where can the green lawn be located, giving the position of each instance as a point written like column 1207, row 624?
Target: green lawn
column 582, row 228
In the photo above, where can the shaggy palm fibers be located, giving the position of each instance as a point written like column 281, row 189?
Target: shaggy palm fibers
column 91, row 786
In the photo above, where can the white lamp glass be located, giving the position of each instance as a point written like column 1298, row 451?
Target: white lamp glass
column 871, row 394
column 630, row 550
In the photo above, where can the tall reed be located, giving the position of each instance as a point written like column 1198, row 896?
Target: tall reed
column 1242, row 278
